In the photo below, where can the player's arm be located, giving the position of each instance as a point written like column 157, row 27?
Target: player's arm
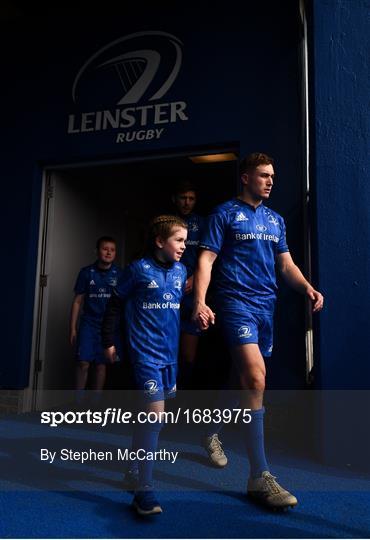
column 75, row 311
column 189, row 284
column 202, row 314
column 109, row 324
column 295, row 279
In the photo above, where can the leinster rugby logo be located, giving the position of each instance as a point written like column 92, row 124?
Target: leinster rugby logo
column 121, row 86
column 167, row 296
column 273, row 220
column 244, row 332
column 112, row 282
column 177, row 284
column 151, row 387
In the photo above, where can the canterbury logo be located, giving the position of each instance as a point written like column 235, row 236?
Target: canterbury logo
column 153, row 285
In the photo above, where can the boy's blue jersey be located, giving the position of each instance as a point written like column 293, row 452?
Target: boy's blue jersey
column 195, row 230
column 247, row 241
column 96, row 285
column 152, row 310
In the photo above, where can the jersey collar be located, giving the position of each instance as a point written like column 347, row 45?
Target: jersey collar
column 260, row 206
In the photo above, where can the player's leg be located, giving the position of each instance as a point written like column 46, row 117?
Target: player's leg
column 82, row 371
column 188, row 350
column 84, row 355
column 262, row 486
column 146, row 434
column 250, row 364
column 99, row 376
column 227, row 399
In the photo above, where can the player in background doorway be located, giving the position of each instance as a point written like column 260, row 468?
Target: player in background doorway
column 93, row 289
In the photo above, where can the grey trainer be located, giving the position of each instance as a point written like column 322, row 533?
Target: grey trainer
column 268, row 492
column 216, row 454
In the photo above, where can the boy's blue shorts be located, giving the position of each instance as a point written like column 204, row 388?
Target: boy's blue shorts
column 240, row 327
column 154, row 381
column 89, row 344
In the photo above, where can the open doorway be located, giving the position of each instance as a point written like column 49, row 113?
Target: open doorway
column 83, row 203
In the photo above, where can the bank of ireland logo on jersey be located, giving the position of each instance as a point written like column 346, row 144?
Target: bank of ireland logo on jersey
column 123, row 86
column 244, row 332
column 167, row 296
column 151, row 387
column 261, row 228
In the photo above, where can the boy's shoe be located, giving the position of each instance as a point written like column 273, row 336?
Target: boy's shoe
column 265, row 490
column 131, row 479
column 216, row 455
column 145, row 502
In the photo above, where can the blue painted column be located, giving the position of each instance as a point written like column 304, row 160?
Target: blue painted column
column 340, row 150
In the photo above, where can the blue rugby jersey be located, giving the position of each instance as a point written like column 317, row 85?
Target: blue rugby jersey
column 97, row 286
column 152, row 310
column 247, row 241
column 195, row 230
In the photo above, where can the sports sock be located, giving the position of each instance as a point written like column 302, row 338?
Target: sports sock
column 147, row 439
column 254, row 441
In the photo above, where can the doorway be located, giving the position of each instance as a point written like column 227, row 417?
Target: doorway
column 82, row 203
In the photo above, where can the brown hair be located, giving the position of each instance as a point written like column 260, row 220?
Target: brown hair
column 163, row 226
column 250, row 162
column 104, row 239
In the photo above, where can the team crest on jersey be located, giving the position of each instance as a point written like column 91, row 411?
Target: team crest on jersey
column 112, row 282
column 241, row 217
column 151, row 387
column 273, row 220
column 167, row 296
column 173, row 389
column 193, row 226
column 152, row 285
column 244, row 332
column 92, row 282
column 270, row 348
column 261, row 228
column 177, row 283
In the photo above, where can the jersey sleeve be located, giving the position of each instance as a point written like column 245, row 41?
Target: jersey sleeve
column 282, row 246
column 81, row 282
column 214, row 232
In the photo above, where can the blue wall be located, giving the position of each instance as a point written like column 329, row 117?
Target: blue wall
column 340, row 169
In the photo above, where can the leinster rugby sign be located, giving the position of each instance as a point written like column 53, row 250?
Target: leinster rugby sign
column 124, row 86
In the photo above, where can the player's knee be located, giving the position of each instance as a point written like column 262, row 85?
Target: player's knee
column 100, row 368
column 257, row 382
column 83, row 366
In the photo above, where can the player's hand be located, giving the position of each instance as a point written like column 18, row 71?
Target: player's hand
column 316, row 298
column 73, row 337
column 203, row 316
column 111, row 354
column 189, row 285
